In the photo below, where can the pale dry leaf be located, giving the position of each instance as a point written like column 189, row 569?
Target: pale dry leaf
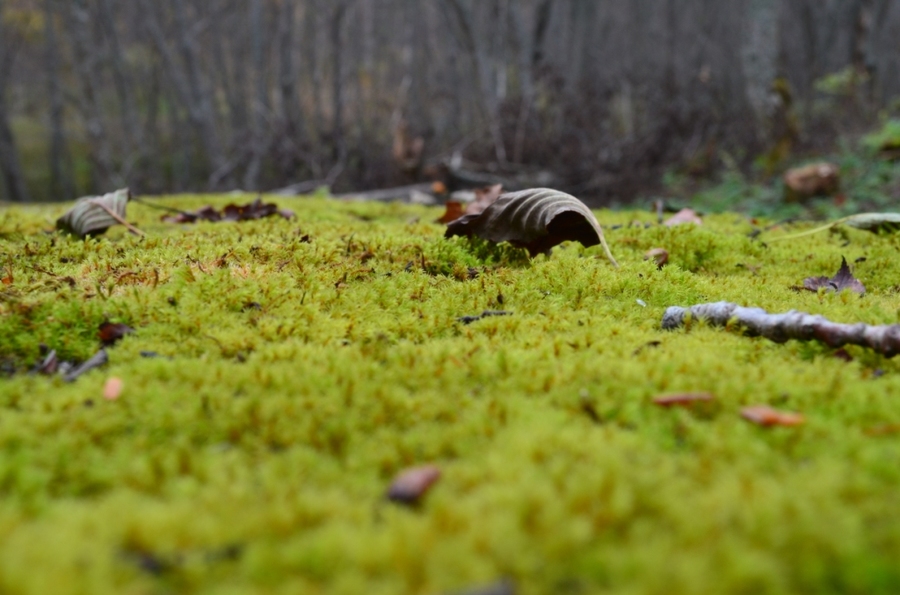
column 763, row 415
column 112, row 390
column 684, row 216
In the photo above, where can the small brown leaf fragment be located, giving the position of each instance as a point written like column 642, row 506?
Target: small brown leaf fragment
column 684, row 216
column 683, row 399
column 843, row 355
column 410, row 485
column 454, row 210
column 843, row 279
column 658, row 255
column 763, row 415
column 112, row 390
column 110, row 332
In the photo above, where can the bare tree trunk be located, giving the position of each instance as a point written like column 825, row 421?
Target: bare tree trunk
column 134, row 149
column 9, row 153
column 259, row 102
column 9, row 157
column 477, row 53
column 85, row 55
column 61, row 184
column 337, row 50
column 760, row 55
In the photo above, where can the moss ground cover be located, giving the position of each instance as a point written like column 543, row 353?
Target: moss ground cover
column 303, row 363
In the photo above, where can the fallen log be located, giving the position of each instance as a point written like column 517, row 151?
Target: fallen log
column 883, row 339
column 416, row 193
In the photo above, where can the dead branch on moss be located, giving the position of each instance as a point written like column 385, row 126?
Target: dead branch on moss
column 883, row 339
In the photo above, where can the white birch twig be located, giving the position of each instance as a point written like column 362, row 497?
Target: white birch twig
column 884, row 339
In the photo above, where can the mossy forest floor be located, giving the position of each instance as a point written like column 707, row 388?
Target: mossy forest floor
column 304, row 363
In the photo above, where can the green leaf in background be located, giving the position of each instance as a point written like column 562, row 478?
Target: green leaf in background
column 95, row 214
column 875, row 222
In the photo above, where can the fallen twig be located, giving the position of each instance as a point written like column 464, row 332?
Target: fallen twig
column 115, row 216
column 883, row 339
column 98, row 359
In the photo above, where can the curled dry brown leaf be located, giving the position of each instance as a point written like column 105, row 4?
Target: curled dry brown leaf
column 536, row 219
column 411, row 484
column 763, row 415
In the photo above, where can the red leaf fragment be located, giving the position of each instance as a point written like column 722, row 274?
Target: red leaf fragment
column 764, row 415
column 111, row 332
column 842, row 280
column 411, row 484
column 683, row 399
column 684, row 216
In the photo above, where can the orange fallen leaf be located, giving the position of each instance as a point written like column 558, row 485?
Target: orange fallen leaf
column 683, row 399
column 764, row 415
column 410, row 485
column 684, row 216
column 112, row 390
column 454, row 211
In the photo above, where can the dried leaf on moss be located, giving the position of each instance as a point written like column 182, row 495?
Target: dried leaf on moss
column 112, row 389
column 453, row 211
column 842, row 280
column 256, row 209
column 684, row 216
column 535, row 219
column 764, row 415
column 93, row 215
column 110, row 332
column 658, row 255
column 683, row 399
column 410, row 485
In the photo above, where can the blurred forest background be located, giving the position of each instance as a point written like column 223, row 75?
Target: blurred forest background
column 598, row 98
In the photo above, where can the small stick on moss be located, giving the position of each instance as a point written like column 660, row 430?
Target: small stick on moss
column 115, row 216
column 883, row 339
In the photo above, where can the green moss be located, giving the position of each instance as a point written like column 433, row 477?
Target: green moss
column 300, row 374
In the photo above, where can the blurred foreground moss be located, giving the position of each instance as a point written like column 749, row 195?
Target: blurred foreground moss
column 301, row 364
